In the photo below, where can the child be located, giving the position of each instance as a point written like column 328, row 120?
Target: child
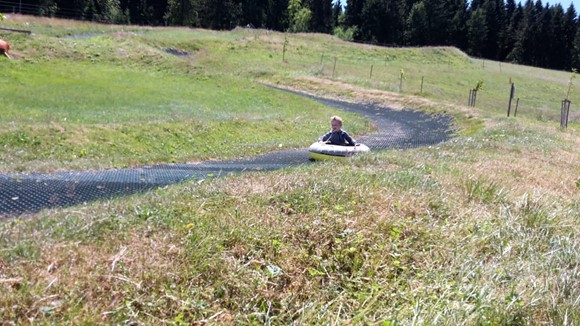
column 337, row 136
column 4, row 47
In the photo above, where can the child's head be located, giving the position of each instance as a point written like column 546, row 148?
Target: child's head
column 336, row 123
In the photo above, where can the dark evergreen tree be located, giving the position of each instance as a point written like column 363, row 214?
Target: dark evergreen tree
column 321, row 20
column 494, row 20
column 510, row 7
column 182, row 13
column 457, row 26
column 148, row 12
column 353, row 13
column 253, row 13
column 511, row 33
column 382, row 21
column 216, row 14
column 336, row 12
column 475, row 4
column 417, row 27
column 569, row 33
column 439, row 17
column 504, row 37
column 477, row 32
column 557, row 52
column 575, row 57
column 523, row 50
column 277, row 15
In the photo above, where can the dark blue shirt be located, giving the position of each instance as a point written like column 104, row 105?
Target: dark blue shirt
column 340, row 137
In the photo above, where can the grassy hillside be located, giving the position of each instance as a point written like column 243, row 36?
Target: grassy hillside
column 481, row 230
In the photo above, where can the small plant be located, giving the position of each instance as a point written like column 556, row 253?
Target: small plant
column 401, row 78
column 483, row 191
column 571, row 83
column 284, row 49
column 345, row 34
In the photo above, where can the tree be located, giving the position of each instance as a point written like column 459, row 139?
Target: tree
column 382, row 21
column 149, row 12
column 417, row 29
column 439, row 16
column 353, row 13
column 254, row 12
column 575, row 57
column 557, row 53
column 510, row 36
column 321, row 20
column 525, row 46
column 477, row 32
column 182, row 13
column 299, row 16
column 336, row 13
column 569, row 33
column 216, row 14
column 495, row 23
column 277, row 15
column 457, row 25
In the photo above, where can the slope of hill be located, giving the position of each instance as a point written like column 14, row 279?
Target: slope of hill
column 482, row 229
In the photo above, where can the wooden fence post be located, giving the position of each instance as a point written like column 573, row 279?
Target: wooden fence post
column 565, row 111
column 472, row 97
column 401, row 77
column 284, row 49
column 469, row 99
column 512, row 93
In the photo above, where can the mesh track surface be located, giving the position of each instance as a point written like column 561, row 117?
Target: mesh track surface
column 22, row 193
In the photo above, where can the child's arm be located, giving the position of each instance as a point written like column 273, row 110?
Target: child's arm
column 325, row 137
column 348, row 138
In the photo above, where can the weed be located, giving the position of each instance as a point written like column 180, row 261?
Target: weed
column 483, row 191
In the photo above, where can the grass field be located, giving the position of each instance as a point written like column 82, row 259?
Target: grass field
column 481, row 230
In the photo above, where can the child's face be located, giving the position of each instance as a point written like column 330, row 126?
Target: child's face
column 336, row 125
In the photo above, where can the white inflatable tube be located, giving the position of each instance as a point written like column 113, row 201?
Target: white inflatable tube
column 322, row 151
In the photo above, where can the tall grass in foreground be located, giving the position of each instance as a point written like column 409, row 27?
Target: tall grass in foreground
column 424, row 236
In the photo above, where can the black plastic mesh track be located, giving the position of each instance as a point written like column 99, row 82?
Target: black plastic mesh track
column 20, row 193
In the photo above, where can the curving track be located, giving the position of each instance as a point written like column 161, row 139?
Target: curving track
column 22, row 193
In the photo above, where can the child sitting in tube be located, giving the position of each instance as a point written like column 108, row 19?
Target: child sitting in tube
column 337, row 136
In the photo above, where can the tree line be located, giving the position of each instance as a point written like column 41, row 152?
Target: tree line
column 528, row 33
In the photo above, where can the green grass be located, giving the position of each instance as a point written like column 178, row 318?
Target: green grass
column 400, row 237
column 481, row 230
column 63, row 114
